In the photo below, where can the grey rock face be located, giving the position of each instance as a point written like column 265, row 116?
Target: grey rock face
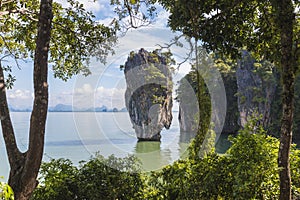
column 231, row 124
column 255, row 91
column 250, row 90
column 188, row 117
column 148, row 94
column 188, row 104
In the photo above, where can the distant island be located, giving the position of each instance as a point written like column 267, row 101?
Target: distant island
column 70, row 108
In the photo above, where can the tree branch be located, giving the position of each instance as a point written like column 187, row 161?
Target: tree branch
column 137, row 18
column 10, row 53
column 14, row 154
column 176, row 42
column 3, row 2
column 22, row 11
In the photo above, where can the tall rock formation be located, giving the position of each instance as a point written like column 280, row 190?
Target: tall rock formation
column 250, row 90
column 232, row 119
column 188, row 104
column 148, row 94
column 256, row 86
column 259, row 92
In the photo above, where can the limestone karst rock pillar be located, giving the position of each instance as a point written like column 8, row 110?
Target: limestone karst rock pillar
column 148, row 94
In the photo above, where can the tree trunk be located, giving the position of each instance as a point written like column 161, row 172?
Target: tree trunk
column 286, row 19
column 204, row 113
column 25, row 166
column 15, row 157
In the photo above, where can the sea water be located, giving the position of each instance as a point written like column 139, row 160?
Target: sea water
column 79, row 135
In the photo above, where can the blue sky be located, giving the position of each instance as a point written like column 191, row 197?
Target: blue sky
column 106, row 85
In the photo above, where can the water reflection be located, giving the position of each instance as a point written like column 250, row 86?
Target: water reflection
column 155, row 155
column 223, row 143
column 186, row 137
column 152, row 155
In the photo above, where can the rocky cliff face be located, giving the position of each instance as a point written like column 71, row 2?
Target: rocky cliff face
column 231, row 124
column 250, row 90
column 259, row 92
column 148, row 94
column 188, row 104
column 255, row 89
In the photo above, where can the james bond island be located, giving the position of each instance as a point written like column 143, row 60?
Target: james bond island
column 148, row 94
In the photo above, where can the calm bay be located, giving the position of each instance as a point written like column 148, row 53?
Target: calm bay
column 79, row 135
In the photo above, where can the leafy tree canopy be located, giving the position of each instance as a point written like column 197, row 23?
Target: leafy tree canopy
column 227, row 26
column 76, row 35
column 134, row 13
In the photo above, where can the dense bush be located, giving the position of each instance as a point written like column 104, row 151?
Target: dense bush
column 99, row 178
column 172, row 182
column 58, row 181
column 248, row 170
column 295, row 171
column 112, row 178
column 6, row 192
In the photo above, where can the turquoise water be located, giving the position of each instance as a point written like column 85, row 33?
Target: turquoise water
column 78, row 136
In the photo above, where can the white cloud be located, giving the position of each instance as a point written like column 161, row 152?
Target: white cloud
column 86, row 89
column 88, row 96
column 112, row 93
column 19, row 94
column 18, row 98
column 82, row 97
column 162, row 18
column 89, row 5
